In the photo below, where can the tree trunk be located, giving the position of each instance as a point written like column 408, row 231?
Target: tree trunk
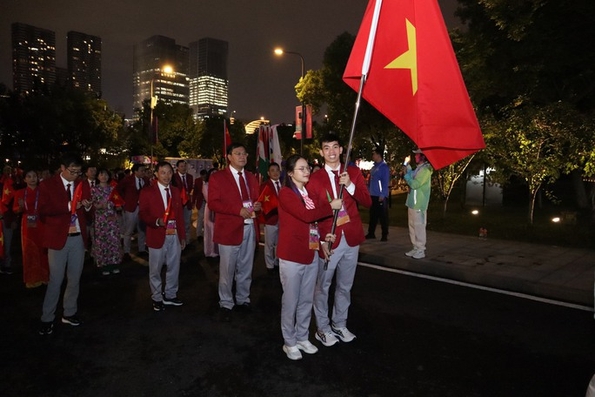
column 532, row 206
column 580, row 192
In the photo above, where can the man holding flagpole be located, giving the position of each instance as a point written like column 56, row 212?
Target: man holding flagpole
column 342, row 256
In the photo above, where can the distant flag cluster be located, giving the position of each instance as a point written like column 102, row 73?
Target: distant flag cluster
column 268, row 150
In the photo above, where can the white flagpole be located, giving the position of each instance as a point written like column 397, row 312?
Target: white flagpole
column 365, row 69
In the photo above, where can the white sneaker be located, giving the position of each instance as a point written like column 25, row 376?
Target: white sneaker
column 326, row 338
column 419, row 254
column 306, row 347
column 411, row 253
column 344, row 334
column 293, row 353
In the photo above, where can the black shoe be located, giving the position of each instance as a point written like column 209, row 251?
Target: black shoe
column 143, row 254
column 243, row 307
column 224, row 314
column 46, row 328
column 72, row 320
column 369, row 236
column 6, row 270
column 172, row 302
column 158, row 306
column 384, row 238
column 126, row 257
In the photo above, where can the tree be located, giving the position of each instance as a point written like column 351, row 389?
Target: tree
column 534, row 144
column 447, row 177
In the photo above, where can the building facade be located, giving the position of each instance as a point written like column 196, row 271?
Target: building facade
column 208, row 77
column 160, row 68
column 84, row 62
column 33, row 57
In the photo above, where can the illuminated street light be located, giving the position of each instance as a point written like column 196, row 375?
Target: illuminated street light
column 280, row 52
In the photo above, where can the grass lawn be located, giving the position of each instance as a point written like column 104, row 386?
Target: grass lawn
column 505, row 223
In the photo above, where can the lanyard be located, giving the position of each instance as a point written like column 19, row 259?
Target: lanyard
column 36, row 199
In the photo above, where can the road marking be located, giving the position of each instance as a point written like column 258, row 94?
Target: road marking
column 480, row 287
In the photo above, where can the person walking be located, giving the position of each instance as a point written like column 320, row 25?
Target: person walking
column 106, row 248
column 299, row 243
column 161, row 210
column 210, row 248
column 129, row 189
column 232, row 196
column 63, row 209
column 35, row 256
column 340, row 256
column 184, row 181
column 379, row 193
column 419, row 181
column 270, row 217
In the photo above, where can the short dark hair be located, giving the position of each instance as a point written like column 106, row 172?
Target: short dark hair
column 234, row 145
column 180, row 162
column 203, row 172
column 273, row 164
column 136, row 166
column 162, row 164
column 69, row 159
column 378, row 151
column 330, row 137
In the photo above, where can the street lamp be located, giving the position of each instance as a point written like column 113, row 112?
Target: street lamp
column 279, row 52
column 167, row 69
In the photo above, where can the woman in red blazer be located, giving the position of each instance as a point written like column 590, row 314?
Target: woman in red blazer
column 297, row 249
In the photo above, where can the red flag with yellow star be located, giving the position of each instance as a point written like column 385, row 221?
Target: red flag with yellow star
column 269, row 200
column 414, row 78
column 7, row 191
column 115, row 197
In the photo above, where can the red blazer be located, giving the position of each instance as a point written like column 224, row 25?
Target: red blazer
column 197, row 196
column 272, row 217
column 152, row 208
column 225, row 200
column 294, row 225
column 177, row 182
column 320, row 185
column 129, row 193
column 54, row 212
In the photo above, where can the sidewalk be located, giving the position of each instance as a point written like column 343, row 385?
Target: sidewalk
column 552, row 272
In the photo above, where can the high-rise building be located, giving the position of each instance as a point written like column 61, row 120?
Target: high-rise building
column 160, row 67
column 208, row 77
column 84, row 61
column 33, row 57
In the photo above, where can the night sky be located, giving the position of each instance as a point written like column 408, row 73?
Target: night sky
column 260, row 83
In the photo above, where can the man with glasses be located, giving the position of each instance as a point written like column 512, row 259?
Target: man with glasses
column 233, row 195
column 63, row 209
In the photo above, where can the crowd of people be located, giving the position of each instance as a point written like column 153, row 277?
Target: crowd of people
column 311, row 222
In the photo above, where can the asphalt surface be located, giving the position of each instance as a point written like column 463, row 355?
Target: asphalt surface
column 415, row 338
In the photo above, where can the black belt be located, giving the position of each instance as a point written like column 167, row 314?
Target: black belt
column 73, row 234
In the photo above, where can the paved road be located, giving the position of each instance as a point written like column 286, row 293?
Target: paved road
column 415, row 338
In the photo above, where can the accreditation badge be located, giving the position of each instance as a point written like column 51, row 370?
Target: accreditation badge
column 250, row 207
column 342, row 217
column 170, row 228
column 314, row 237
column 31, row 221
column 72, row 228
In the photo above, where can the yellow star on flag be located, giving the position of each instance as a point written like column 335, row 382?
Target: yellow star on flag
column 267, row 198
column 408, row 59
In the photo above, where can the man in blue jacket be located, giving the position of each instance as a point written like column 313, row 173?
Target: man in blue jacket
column 379, row 192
